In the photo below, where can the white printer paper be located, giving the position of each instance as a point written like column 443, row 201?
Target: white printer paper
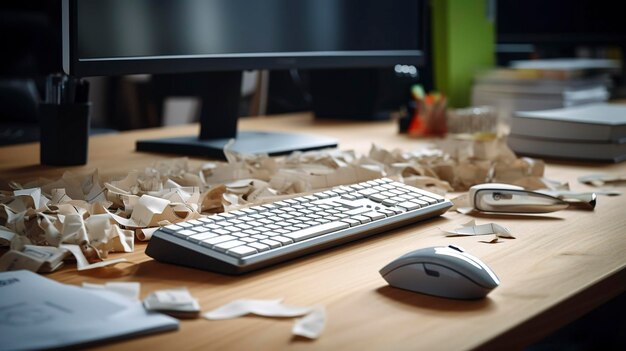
column 36, row 313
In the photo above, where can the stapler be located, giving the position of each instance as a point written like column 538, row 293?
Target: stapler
column 496, row 197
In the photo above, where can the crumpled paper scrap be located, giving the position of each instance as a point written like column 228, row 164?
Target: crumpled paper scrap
column 175, row 302
column 600, row 179
column 471, row 228
column 311, row 326
column 34, row 258
column 83, row 264
column 74, row 209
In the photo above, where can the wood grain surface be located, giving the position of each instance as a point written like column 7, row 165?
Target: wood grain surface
column 560, row 266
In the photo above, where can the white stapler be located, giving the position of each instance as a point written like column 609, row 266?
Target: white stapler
column 496, row 197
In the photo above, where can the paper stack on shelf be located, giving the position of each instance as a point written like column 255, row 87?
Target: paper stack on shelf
column 543, row 84
column 589, row 132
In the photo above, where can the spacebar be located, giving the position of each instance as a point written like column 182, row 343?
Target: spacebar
column 317, row 230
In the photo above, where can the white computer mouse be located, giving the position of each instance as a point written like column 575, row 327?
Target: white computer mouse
column 446, row 271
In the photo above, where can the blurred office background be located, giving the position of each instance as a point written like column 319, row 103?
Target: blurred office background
column 522, row 30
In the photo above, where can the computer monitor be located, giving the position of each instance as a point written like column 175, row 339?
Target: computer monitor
column 115, row 37
column 556, row 28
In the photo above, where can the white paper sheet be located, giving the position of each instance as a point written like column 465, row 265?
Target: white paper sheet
column 266, row 308
column 41, row 313
column 311, row 326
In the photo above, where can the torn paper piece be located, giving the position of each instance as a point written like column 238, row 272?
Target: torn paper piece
column 119, row 240
column 437, row 186
column 311, row 325
column 15, row 260
column 59, row 196
column 461, row 204
column 147, row 207
column 34, row 258
column 534, row 183
column 495, row 240
column 52, row 234
column 470, row 228
column 211, row 200
column 130, row 290
column 145, row 234
column 6, row 236
column 25, row 196
column 175, row 302
column 52, row 257
column 601, row 179
column 266, row 308
column 74, row 230
column 81, row 261
column 128, row 184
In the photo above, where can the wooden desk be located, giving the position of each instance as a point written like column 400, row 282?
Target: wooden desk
column 560, row 266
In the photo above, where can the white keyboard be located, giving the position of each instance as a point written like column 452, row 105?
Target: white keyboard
column 240, row 241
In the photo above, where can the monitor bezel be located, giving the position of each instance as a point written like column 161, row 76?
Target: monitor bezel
column 75, row 66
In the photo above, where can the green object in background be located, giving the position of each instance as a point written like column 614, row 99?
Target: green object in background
column 463, row 43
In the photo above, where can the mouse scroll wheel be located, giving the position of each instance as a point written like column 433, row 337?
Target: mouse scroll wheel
column 457, row 248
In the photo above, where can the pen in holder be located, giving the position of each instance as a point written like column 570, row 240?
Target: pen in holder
column 64, row 122
column 64, row 133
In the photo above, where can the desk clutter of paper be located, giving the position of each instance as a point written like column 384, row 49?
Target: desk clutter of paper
column 84, row 219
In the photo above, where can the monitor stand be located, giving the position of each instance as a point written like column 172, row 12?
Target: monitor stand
column 219, row 93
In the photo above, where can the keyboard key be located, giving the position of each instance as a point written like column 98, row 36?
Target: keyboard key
column 390, row 202
column 195, row 222
column 241, row 251
column 227, row 245
column 357, row 211
column 316, row 231
column 430, row 200
column 351, row 222
column 221, row 231
column 172, row 228
column 217, row 240
column 377, row 197
column 202, row 236
column 283, row 240
column 271, row 243
column 374, row 215
column 362, row 219
column 260, row 247
column 409, row 206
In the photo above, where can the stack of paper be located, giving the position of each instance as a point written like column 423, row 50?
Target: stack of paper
column 543, row 84
column 590, row 132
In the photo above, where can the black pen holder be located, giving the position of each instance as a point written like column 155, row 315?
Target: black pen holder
column 64, row 136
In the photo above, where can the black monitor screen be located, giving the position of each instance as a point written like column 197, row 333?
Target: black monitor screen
column 561, row 22
column 241, row 34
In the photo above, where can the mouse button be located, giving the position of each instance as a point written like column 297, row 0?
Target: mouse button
column 415, row 256
column 409, row 277
column 457, row 248
column 399, row 262
column 485, row 276
column 467, row 265
column 450, row 283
